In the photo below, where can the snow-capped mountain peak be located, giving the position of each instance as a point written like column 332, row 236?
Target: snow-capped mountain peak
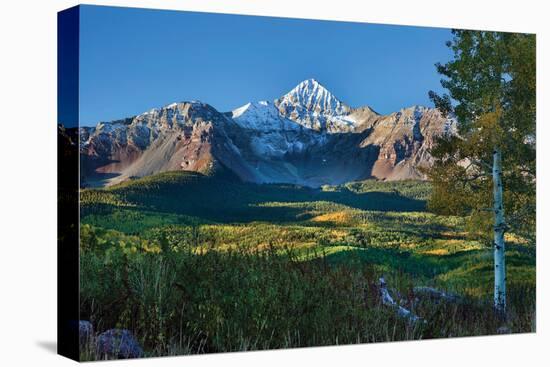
column 313, row 97
column 313, row 106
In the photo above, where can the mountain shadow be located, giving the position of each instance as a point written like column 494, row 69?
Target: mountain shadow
column 222, row 197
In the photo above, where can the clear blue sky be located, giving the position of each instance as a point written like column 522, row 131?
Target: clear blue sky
column 132, row 60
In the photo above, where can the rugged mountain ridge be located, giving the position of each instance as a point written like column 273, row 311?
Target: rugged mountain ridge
column 305, row 137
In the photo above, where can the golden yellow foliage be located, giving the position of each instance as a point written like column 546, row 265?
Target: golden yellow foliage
column 340, row 217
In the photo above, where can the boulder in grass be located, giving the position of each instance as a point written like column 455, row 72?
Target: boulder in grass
column 388, row 300
column 85, row 331
column 118, row 343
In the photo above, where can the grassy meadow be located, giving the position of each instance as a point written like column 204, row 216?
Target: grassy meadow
column 200, row 264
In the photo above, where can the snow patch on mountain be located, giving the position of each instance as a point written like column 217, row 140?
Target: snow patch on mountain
column 262, row 116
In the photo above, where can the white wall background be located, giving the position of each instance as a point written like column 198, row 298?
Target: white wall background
column 28, row 181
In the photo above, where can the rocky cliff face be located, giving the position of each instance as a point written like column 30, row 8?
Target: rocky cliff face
column 184, row 136
column 306, row 137
column 405, row 139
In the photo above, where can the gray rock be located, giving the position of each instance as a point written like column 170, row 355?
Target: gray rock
column 85, row 331
column 118, row 343
column 435, row 294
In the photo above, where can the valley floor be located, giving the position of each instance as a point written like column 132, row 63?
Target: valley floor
column 198, row 264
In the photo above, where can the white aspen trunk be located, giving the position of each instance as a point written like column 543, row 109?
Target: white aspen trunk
column 499, row 229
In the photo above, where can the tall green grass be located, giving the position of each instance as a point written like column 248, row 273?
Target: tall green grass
column 210, row 301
